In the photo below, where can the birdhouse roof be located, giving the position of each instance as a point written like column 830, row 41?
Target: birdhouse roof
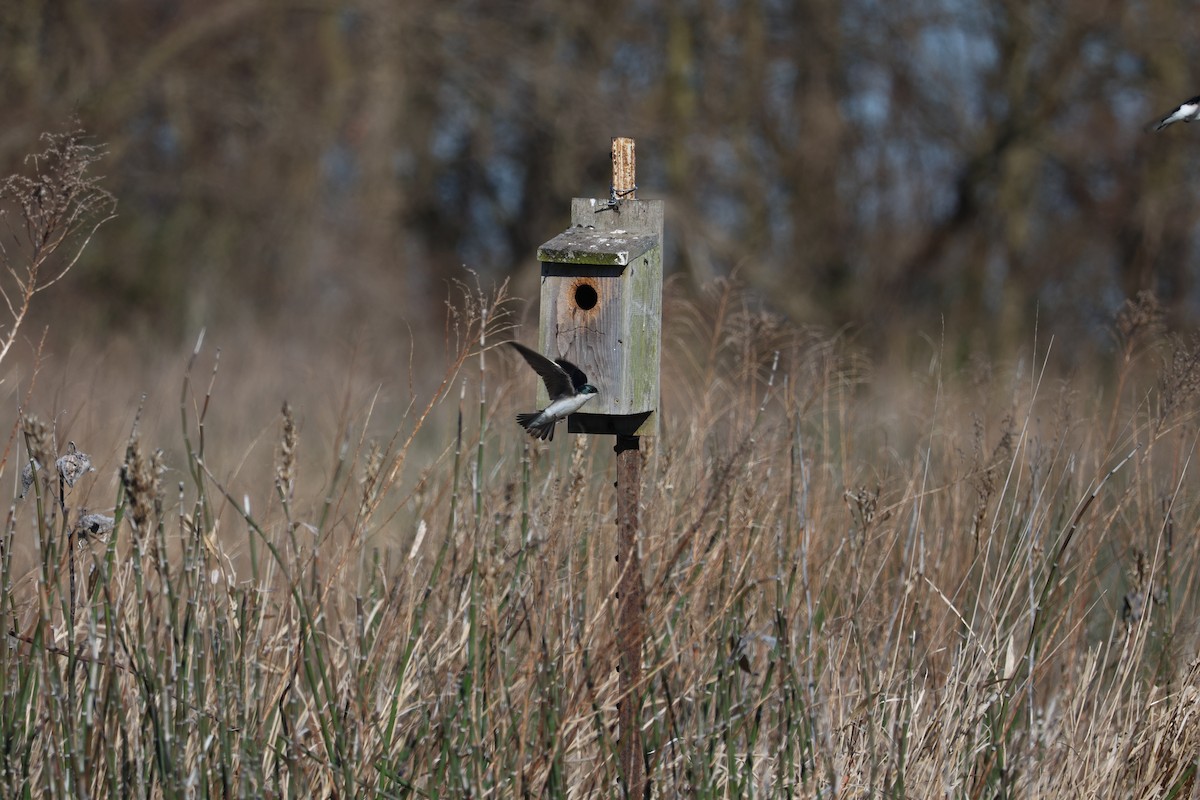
column 586, row 245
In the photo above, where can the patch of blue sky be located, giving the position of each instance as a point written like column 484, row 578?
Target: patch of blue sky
column 720, row 205
column 504, row 143
column 448, row 189
column 955, row 61
column 1126, row 94
column 339, row 168
column 507, row 182
column 936, row 195
column 723, row 211
column 901, row 180
column 166, row 140
column 455, row 122
column 635, row 67
column 781, row 223
column 780, row 90
column 486, row 248
column 868, row 103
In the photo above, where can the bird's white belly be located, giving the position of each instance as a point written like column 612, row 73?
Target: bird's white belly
column 568, row 405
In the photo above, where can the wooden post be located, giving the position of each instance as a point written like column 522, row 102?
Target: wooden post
column 629, row 588
column 624, row 174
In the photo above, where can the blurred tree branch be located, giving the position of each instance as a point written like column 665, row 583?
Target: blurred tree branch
column 856, row 163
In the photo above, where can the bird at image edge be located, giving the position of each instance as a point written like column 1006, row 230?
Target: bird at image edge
column 1186, row 112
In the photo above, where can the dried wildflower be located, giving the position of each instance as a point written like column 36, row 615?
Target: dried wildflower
column 74, row 465
column 1140, row 319
column 60, row 199
column 285, row 465
column 142, row 479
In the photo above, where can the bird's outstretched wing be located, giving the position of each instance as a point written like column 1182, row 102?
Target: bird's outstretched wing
column 562, row 378
column 577, row 376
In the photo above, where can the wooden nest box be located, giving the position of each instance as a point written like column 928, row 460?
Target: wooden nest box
column 601, row 309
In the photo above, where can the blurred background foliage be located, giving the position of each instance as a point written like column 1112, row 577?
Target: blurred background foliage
column 313, row 165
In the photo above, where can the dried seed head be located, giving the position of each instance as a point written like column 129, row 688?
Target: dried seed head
column 1179, row 379
column 370, row 478
column 27, row 475
column 37, row 435
column 74, row 465
column 94, row 526
column 37, row 443
column 1140, row 319
column 285, row 465
column 142, row 479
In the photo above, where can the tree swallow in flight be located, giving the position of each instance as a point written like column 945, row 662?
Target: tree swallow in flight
column 1188, row 112
column 565, row 383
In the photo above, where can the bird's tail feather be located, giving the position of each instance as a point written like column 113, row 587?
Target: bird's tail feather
column 544, row 430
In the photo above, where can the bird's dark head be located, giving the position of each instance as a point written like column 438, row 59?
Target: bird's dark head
column 587, row 388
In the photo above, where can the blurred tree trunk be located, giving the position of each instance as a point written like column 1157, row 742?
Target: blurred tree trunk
column 812, row 169
column 1156, row 249
column 857, row 163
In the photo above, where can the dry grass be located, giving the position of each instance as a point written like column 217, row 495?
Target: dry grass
column 973, row 582
column 974, row 585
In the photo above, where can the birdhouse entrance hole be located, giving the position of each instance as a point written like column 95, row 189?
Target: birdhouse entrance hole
column 586, row 296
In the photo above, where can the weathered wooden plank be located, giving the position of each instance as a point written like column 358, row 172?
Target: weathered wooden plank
column 586, row 245
column 634, row 216
column 643, row 320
